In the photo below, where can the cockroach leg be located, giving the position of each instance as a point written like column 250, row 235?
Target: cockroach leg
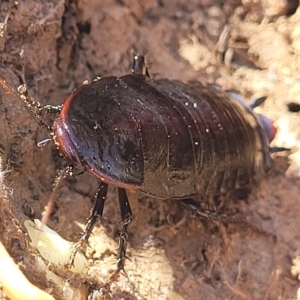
column 126, row 215
column 95, row 216
column 199, row 209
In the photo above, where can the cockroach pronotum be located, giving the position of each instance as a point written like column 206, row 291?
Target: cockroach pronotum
column 164, row 138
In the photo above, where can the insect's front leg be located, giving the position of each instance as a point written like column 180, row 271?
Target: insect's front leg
column 95, row 216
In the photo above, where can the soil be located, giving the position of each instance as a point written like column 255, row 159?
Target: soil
column 250, row 46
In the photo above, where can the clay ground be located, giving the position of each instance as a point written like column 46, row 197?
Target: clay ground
column 251, row 46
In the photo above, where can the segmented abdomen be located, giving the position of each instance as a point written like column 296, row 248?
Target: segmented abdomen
column 208, row 143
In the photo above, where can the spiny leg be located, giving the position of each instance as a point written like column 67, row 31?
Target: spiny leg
column 199, row 209
column 126, row 216
column 95, row 216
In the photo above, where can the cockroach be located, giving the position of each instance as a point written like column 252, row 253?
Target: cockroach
column 164, row 138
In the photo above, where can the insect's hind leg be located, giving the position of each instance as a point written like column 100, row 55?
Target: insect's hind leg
column 198, row 209
column 201, row 210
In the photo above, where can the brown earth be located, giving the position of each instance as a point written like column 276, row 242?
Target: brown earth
column 250, row 46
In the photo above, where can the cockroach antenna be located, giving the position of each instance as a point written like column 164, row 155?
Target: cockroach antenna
column 23, row 97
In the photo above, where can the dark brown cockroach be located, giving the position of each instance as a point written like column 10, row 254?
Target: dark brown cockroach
column 164, row 138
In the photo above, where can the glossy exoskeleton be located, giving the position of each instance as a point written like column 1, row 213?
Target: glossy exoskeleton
column 164, row 138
